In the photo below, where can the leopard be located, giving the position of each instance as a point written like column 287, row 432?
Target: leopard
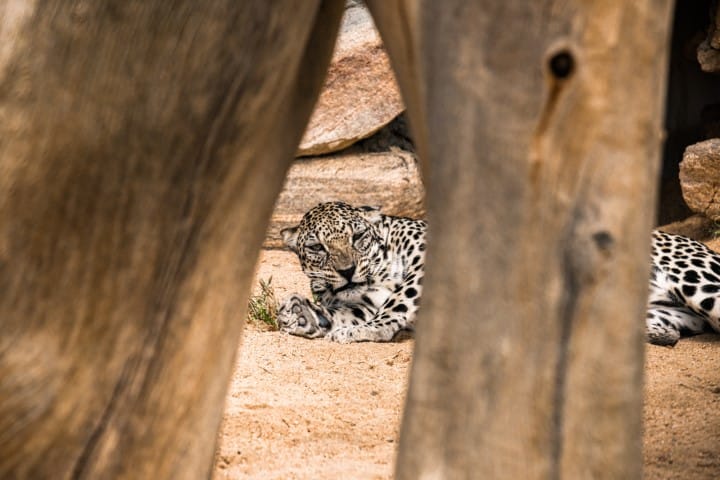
column 684, row 285
column 365, row 269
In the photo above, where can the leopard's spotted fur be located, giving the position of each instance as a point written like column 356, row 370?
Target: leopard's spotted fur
column 365, row 271
column 684, row 289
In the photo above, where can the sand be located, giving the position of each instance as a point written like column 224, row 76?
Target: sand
column 311, row 409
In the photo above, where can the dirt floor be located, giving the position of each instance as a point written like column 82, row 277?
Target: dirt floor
column 302, row 409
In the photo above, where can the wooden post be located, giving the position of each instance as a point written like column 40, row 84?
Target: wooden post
column 142, row 145
column 543, row 124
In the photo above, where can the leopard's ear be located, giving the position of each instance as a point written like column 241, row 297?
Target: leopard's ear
column 290, row 236
column 371, row 214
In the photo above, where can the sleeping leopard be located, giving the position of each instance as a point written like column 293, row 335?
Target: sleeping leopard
column 366, row 272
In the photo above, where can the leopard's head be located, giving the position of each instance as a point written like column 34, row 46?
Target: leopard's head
column 338, row 245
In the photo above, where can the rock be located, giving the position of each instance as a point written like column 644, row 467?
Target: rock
column 708, row 52
column 360, row 95
column 698, row 227
column 708, row 57
column 390, row 180
column 394, row 134
column 714, row 30
column 700, row 178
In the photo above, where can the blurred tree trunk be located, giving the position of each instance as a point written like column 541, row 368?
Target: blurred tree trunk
column 543, row 124
column 142, row 145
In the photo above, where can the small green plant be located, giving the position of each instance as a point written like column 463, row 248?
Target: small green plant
column 715, row 229
column 263, row 307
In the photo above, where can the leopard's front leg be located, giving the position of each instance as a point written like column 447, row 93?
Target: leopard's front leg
column 394, row 320
column 300, row 316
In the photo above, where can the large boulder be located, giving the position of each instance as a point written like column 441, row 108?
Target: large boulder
column 390, row 180
column 360, row 95
column 700, row 178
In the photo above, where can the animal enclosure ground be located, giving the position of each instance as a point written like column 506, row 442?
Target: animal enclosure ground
column 302, row 409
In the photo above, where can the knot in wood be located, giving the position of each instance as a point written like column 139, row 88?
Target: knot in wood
column 562, row 64
column 603, row 240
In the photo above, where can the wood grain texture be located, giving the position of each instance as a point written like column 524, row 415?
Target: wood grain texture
column 142, row 146
column 544, row 124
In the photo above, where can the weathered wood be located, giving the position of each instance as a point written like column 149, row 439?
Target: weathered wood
column 389, row 180
column 546, row 122
column 132, row 206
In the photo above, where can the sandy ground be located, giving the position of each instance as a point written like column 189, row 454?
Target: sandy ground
column 301, row 409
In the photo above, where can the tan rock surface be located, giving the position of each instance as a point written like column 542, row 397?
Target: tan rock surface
column 708, row 57
column 700, row 178
column 360, row 95
column 708, row 52
column 390, row 180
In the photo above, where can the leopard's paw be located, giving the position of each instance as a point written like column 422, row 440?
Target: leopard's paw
column 298, row 316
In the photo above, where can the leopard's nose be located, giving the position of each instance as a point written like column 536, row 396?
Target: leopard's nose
column 348, row 273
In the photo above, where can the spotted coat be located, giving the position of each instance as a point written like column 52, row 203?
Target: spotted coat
column 365, row 271
column 684, row 289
